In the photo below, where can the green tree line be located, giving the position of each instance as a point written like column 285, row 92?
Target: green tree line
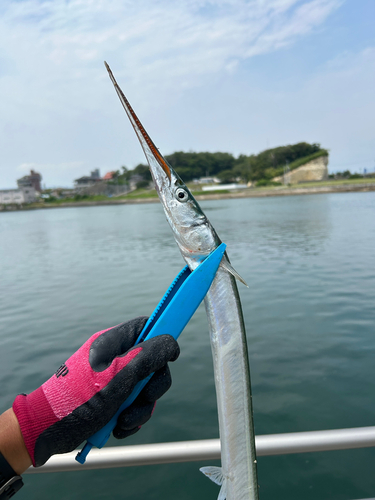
column 263, row 166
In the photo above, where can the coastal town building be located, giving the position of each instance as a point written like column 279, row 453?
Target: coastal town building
column 88, row 180
column 17, row 196
column 32, row 180
column 108, row 176
column 95, row 174
column 224, row 187
column 207, row 180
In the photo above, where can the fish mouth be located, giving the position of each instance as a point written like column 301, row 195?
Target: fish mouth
column 144, row 138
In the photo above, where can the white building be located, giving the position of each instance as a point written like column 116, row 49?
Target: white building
column 222, row 187
column 17, row 196
column 207, row 180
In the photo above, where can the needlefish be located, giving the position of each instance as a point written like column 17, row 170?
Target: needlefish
column 196, row 239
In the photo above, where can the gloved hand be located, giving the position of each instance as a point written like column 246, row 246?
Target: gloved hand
column 88, row 389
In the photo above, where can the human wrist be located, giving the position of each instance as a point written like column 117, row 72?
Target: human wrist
column 12, row 445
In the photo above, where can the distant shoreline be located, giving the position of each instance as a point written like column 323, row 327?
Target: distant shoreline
column 248, row 193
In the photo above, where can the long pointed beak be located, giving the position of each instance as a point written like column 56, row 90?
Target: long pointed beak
column 149, row 148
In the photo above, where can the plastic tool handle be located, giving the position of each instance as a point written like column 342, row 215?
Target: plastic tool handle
column 170, row 317
column 100, row 438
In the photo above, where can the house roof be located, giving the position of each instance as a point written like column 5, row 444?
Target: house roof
column 87, row 178
column 108, row 176
column 84, row 178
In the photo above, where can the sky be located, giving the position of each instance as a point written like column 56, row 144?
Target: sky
column 237, row 76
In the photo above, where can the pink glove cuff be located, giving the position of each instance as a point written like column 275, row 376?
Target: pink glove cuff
column 34, row 416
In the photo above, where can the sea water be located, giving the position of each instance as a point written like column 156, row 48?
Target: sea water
column 309, row 311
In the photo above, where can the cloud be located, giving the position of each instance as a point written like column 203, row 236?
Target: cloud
column 55, row 89
column 344, row 105
column 288, row 26
column 334, row 106
column 164, row 42
column 25, row 168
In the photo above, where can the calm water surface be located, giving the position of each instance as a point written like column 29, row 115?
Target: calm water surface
column 309, row 311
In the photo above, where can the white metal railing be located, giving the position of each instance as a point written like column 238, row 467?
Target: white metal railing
column 209, row 449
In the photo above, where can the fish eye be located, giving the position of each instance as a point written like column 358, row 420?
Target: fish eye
column 181, row 195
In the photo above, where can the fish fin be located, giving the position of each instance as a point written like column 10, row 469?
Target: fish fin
column 228, row 267
column 216, row 475
column 223, row 491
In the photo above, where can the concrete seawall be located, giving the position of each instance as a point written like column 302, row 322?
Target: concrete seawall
column 281, row 191
column 248, row 193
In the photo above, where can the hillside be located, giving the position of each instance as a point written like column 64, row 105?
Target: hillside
column 263, row 166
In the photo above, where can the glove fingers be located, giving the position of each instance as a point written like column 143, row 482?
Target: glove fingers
column 121, row 434
column 115, row 342
column 134, row 416
column 153, row 355
column 159, row 384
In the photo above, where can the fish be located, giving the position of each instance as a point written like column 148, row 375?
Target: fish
column 196, row 239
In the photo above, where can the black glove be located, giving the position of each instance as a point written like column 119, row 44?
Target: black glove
column 89, row 388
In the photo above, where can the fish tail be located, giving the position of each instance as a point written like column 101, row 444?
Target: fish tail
column 216, row 475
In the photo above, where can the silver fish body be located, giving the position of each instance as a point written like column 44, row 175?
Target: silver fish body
column 196, row 239
column 232, row 382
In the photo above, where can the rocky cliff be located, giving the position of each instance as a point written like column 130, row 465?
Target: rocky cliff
column 314, row 170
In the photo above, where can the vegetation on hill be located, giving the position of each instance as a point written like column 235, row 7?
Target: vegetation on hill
column 298, row 163
column 195, row 165
column 227, row 168
column 271, row 162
